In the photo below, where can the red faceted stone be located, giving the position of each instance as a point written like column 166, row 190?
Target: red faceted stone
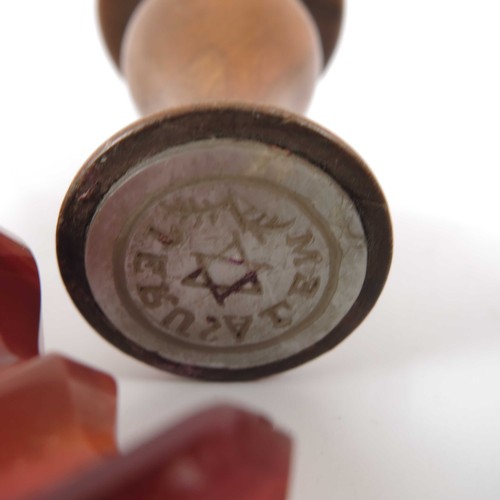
column 19, row 302
column 56, row 416
column 220, row 454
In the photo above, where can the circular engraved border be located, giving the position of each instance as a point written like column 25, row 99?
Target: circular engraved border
column 296, row 328
column 148, row 138
column 178, row 165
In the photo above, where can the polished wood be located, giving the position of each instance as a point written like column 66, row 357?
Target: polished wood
column 178, row 53
column 114, row 16
column 328, row 15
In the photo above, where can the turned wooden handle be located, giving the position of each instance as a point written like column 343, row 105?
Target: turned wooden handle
column 177, row 53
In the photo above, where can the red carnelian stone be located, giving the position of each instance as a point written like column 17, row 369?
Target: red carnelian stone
column 19, row 302
column 56, row 416
column 220, row 454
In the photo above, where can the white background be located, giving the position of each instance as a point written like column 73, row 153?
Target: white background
column 409, row 406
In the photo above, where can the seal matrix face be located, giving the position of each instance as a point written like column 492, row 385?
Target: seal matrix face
column 223, row 242
column 247, row 256
column 228, row 262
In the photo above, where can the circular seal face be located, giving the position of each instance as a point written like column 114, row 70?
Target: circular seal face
column 224, row 242
column 226, row 254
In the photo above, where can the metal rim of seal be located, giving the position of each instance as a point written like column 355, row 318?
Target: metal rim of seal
column 114, row 17
column 154, row 135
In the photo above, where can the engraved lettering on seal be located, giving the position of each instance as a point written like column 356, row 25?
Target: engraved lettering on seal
column 302, row 285
column 274, row 313
column 238, row 325
column 302, row 248
column 205, row 265
column 180, row 319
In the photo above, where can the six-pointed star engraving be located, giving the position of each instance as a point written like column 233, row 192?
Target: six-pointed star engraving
column 234, row 272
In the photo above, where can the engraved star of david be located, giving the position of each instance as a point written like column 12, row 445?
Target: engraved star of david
column 240, row 273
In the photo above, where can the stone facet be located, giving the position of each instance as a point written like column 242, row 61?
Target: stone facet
column 19, row 302
column 57, row 416
column 220, row 454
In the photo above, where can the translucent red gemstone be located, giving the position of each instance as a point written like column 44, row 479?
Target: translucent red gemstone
column 19, row 302
column 56, row 416
column 221, row 454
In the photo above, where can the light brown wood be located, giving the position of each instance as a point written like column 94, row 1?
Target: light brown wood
column 179, row 52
